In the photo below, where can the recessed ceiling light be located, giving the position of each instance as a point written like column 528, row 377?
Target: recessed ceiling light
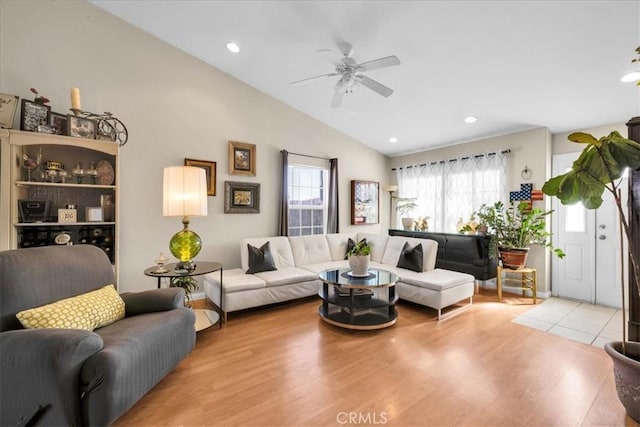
column 470, row 119
column 631, row 77
column 393, row 140
column 233, row 47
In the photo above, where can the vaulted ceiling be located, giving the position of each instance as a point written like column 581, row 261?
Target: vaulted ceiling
column 514, row 65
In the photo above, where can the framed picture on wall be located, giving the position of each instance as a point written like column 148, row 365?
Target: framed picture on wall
column 8, row 106
column 242, row 158
column 209, row 170
column 365, row 202
column 241, row 197
column 33, row 115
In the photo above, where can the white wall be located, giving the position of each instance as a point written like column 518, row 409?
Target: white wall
column 530, row 148
column 562, row 145
column 174, row 107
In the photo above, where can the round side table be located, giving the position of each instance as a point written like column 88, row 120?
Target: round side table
column 204, row 317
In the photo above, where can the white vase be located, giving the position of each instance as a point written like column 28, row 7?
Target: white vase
column 359, row 264
column 407, row 223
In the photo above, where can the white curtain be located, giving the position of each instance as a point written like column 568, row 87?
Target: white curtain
column 447, row 191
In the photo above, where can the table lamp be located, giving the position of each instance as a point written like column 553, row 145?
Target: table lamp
column 185, row 195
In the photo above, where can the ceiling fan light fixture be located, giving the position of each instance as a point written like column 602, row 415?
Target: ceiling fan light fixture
column 470, row 119
column 233, row 47
column 630, row 77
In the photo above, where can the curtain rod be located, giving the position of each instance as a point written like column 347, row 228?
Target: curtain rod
column 307, row 155
column 475, row 156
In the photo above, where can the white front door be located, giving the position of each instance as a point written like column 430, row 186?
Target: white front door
column 590, row 239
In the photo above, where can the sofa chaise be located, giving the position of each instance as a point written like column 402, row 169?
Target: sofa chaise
column 62, row 375
column 298, row 260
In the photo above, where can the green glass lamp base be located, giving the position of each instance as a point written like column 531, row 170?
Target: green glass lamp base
column 185, row 245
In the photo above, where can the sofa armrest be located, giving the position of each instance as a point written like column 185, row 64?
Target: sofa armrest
column 163, row 299
column 40, row 370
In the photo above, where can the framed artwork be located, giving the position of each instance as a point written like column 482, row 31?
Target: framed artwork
column 242, row 158
column 209, row 170
column 59, row 123
column 241, row 197
column 33, row 115
column 8, row 106
column 365, row 202
column 80, row 127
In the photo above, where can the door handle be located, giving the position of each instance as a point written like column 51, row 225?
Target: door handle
column 602, row 237
column 602, row 226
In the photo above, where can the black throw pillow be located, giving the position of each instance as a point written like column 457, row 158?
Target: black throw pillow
column 260, row 259
column 351, row 243
column 411, row 258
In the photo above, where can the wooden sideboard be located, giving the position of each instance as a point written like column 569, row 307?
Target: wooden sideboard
column 459, row 252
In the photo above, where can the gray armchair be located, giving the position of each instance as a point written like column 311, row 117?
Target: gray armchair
column 79, row 377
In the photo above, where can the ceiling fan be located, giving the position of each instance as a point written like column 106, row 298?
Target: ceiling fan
column 348, row 70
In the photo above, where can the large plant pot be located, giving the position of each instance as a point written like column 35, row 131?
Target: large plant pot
column 407, row 223
column 359, row 264
column 626, row 373
column 513, row 258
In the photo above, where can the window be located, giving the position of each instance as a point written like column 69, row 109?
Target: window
column 448, row 191
column 307, row 203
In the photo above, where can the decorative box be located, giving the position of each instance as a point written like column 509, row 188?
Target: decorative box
column 67, row 215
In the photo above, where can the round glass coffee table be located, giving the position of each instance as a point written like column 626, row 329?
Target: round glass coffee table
column 358, row 302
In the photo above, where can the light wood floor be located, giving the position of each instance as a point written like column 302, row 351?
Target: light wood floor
column 283, row 366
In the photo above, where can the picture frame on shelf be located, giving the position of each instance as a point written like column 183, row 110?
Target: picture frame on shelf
column 8, row 107
column 242, row 158
column 58, row 123
column 94, row 214
column 33, row 115
column 365, row 202
column 241, row 197
column 80, row 127
column 209, row 170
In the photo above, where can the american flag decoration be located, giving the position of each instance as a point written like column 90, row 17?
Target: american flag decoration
column 523, row 194
column 526, row 194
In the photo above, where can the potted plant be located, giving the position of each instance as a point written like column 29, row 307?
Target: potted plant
column 359, row 256
column 405, row 206
column 469, row 227
column 188, row 283
column 600, row 167
column 513, row 230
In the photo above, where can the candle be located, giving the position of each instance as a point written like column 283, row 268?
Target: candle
column 75, row 99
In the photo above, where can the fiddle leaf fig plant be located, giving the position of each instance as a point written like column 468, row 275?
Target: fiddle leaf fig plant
column 598, row 169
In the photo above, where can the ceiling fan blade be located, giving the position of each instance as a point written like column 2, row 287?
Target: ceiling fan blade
column 374, row 85
column 337, row 99
column 322, row 76
column 387, row 61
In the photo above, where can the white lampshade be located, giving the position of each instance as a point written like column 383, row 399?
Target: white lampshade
column 184, row 191
column 391, row 188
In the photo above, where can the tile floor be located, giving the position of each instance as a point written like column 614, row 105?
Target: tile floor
column 579, row 321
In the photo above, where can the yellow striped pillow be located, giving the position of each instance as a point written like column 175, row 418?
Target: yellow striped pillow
column 86, row 311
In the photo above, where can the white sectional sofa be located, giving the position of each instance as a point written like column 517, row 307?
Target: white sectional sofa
column 298, row 260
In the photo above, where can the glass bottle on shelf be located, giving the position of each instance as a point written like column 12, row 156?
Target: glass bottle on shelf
column 93, row 173
column 38, row 175
column 52, row 175
column 28, row 165
column 78, row 172
column 63, row 175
